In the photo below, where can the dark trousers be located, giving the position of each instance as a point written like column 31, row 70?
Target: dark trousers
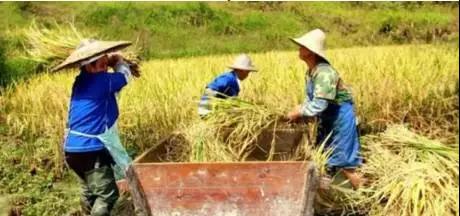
column 99, row 188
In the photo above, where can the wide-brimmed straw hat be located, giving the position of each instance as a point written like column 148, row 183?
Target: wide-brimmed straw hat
column 314, row 41
column 90, row 50
column 243, row 62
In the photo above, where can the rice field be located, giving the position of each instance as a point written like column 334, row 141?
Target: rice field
column 415, row 85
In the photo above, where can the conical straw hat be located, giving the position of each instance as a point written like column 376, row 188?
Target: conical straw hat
column 243, row 62
column 314, row 41
column 89, row 49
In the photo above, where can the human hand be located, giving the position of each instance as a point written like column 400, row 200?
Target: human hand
column 114, row 59
column 134, row 67
column 294, row 115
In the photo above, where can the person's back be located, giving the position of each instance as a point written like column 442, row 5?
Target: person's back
column 93, row 108
column 226, row 84
column 223, row 86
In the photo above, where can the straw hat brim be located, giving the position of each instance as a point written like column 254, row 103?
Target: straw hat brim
column 243, row 68
column 105, row 47
column 296, row 41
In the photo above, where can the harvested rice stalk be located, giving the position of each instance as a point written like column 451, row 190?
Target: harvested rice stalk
column 206, row 145
column 407, row 174
column 241, row 122
column 49, row 46
column 410, row 175
column 339, row 198
column 236, row 128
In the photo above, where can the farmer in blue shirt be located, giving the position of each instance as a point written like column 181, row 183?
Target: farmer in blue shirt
column 91, row 144
column 227, row 84
column 329, row 98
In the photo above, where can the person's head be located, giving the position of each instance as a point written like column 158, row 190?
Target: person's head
column 91, row 55
column 310, row 57
column 312, row 47
column 306, row 55
column 242, row 74
column 242, row 66
column 97, row 65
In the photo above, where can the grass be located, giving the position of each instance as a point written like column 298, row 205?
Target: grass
column 176, row 30
column 4, row 205
column 189, row 29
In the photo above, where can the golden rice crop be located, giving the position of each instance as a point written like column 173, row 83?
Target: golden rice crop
column 408, row 174
column 414, row 84
column 417, row 84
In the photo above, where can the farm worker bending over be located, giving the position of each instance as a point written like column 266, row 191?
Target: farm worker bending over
column 329, row 98
column 227, row 84
column 91, row 143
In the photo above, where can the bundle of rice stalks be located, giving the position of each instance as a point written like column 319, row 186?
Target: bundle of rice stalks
column 406, row 173
column 409, row 175
column 206, row 146
column 237, row 130
column 240, row 123
column 49, row 46
column 338, row 197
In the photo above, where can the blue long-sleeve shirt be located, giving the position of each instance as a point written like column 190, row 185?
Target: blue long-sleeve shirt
column 93, row 107
column 225, row 85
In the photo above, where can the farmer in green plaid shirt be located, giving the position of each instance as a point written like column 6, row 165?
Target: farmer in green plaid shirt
column 328, row 98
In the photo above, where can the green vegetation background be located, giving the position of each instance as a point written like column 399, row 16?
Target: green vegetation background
column 173, row 30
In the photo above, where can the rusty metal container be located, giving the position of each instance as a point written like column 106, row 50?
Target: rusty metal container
column 284, row 141
column 223, row 189
column 161, row 186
